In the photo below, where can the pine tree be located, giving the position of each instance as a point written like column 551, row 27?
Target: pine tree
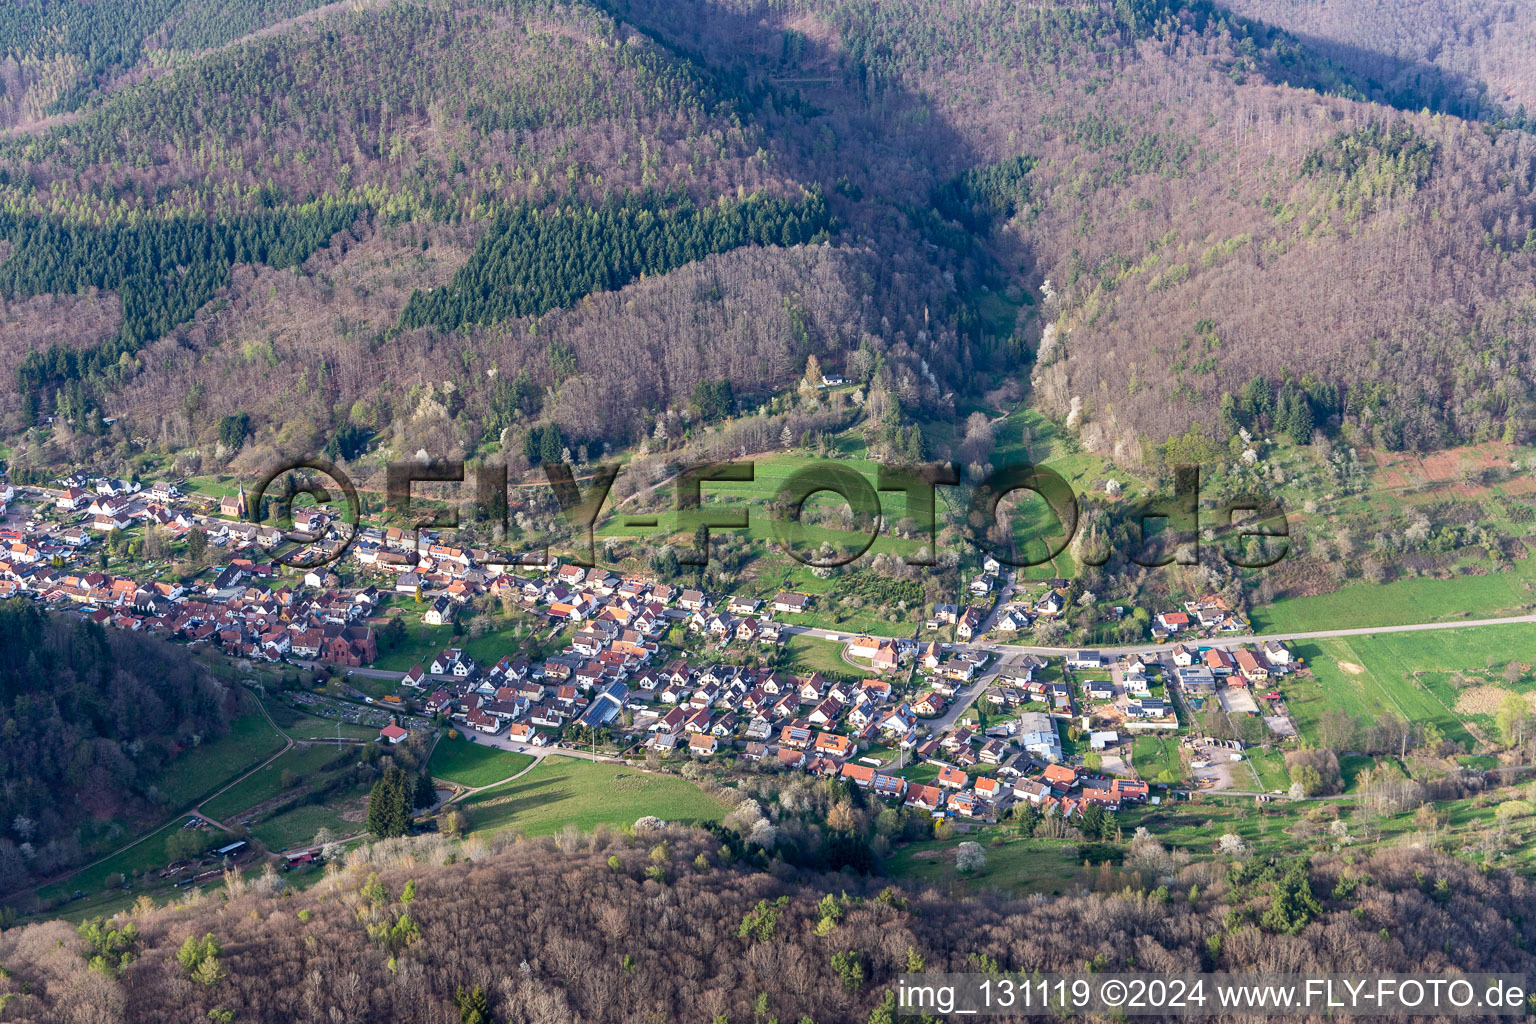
column 1300, row 424
column 1228, row 413
column 425, row 794
column 550, row 444
column 473, row 1008
column 389, row 808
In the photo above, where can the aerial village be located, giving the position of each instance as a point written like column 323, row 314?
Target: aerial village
column 956, row 720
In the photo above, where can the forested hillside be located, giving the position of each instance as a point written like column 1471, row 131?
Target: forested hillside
column 661, row 925
column 90, row 718
column 58, row 53
column 1474, row 55
column 1145, row 215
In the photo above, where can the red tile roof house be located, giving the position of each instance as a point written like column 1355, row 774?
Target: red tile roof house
column 928, row 798
column 951, row 777
column 1219, row 661
column 885, row 658
column 791, row 758
column 863, row 647
column 833, row 745
column 796, row 737
column 1060, row 776
column 392, row 733
column 858, row 774
column 928, row 704
column 73, row 499
column 1250, row 667
column 1125, row 789
column 967, row 804
column 988, row 788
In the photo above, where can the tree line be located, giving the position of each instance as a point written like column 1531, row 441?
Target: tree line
column 667, row 923
column 530, row 261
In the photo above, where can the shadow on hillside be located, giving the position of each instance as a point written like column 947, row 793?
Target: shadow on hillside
column 1403, row 84
column 824, row 120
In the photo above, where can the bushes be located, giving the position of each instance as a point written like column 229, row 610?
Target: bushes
column 1316, row 771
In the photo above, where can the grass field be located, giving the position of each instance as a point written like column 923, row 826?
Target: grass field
column 1084, row 472
column 474, row 764
column 1405, row 601
column 298, row 826
column 204, row 768
column 808, row 654
column 831, row 609
column 421, row 640
column 1015, row 865
column 921, row 773
column 565, row 791
column 212, row 486
column 267, row 781
column 1157, row 758
column 770, row 473
column 1269, row 766
column 194, row 774
column 1421, row 676
column 1381, row 687
column 148, row 854
column 503, row 636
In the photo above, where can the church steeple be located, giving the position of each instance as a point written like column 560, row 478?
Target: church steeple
column 235, row 506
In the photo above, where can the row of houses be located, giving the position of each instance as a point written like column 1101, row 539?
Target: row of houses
column 1207, row 616
column 1240, row 666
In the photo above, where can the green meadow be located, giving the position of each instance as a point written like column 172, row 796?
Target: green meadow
column 1421, row 676
column 563, row 791
column 474, row 764
column 1403, row 602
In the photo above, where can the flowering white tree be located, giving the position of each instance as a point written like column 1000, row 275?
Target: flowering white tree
column 1050, row 341
column 969, row 858
column 765, row 833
